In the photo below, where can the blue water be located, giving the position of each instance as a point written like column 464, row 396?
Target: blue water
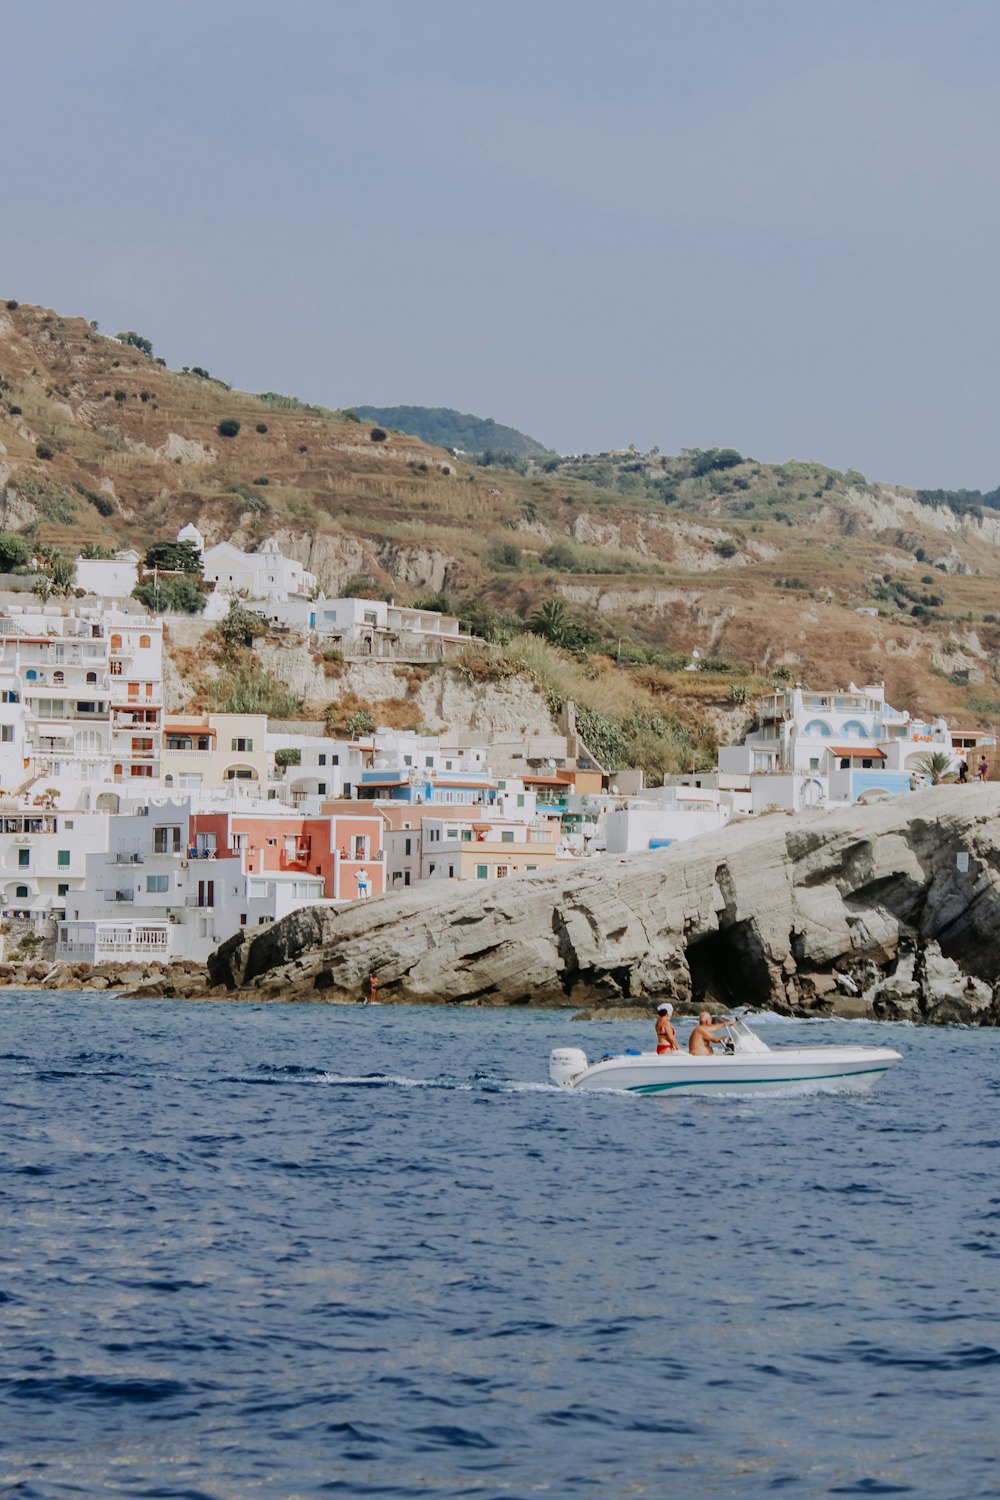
column 275, row 1251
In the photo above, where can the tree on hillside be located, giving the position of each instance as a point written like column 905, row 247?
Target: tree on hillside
column 184, row 593
column 554, row 623
column 136, row 340
column 14, row 551
column 240, row 625
column 174, row 557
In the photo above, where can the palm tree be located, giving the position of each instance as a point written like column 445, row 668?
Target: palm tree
column 552, row 622
column 936, row 764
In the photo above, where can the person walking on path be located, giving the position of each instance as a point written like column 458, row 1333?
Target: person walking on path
column 963, row 771
column 984, row 769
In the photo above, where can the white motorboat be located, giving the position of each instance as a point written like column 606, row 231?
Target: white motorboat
column 746, row 1066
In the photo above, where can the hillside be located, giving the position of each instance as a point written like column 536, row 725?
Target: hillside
column 639, row 558
column 446, row 428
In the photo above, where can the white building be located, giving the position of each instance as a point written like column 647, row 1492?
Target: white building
column 665, row 816
column 266, row 574
column 109, row 578
column 81, row 698
column 372, row 627
column 812, row 749
column 43, row 855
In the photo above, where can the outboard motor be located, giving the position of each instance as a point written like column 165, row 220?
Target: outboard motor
column 566, row 1063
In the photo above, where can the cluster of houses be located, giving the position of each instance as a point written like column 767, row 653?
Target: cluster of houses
column 284, row 593
column 131, row 833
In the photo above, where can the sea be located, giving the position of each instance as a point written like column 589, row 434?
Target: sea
column 280, row 1250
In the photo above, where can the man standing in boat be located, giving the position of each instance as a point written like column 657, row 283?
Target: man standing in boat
column 706, row 1035
column 666, row 1037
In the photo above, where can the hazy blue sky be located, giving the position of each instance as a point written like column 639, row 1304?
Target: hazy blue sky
column 748, row 223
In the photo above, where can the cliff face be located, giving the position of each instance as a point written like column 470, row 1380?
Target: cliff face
column 888, row 911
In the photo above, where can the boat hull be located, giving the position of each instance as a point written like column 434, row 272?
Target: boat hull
column 840, row 1070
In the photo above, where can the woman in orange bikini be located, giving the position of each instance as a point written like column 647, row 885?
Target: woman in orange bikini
column 666, row 1039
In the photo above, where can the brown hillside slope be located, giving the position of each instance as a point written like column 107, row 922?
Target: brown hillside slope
column 764, row 564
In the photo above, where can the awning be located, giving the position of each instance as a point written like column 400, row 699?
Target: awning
column 869, row 752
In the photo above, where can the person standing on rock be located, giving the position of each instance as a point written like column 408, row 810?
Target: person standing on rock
column 666, row 1037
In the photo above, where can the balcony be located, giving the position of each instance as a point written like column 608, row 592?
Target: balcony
column 128, row 859
column 197, row 904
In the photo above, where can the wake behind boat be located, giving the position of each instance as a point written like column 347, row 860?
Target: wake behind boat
column 747, row 1066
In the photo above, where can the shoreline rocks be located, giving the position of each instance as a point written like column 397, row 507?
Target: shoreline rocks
column 889, row 911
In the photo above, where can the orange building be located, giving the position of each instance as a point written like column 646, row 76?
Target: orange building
column 343, row 846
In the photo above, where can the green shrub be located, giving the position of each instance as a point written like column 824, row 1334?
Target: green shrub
column 240, row 625
column 12, row 306
column 505, row 555
column 121, row 396
column 261, row 427
column 288, row 755
column 44, row 450
column 183, row 593
column 359, row 722
column 228, row 427
column 14, row 551
column 251, row 690
column 378, row 434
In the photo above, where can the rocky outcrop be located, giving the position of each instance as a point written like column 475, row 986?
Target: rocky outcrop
column 891, row 911
column 182, row 979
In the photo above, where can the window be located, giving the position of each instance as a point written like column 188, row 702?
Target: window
column 482, row 871
column 23, row 857
column 157, row 882
column 321, row 788
column 503, row 871
column 167, row 839
column 428, row 760
column 321, row 760
column 62, row 890
column 91, row 678
column 7, row 734
column 9, row 696
column 68, row 823
column 59, row 678
column 406, row 877
column 466, row 835
column 116, row 643
column 21, row 893
column 361, row 846
column 62, row 858
column 507, row 836
column 179, row 742
column 145, row 642
column 243, row 746
column 520, row 799
column 407, row 846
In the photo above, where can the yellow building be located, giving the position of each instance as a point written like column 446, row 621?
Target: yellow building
column 210, row 751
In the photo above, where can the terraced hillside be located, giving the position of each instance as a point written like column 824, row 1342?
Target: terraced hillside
column 757, row 566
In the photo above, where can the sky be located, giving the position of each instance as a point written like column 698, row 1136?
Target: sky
column 761, row 224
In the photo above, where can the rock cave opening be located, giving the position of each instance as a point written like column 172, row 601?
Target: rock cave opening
column 727, row 969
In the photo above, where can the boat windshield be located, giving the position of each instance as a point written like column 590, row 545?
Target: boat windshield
column 745, row 1040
